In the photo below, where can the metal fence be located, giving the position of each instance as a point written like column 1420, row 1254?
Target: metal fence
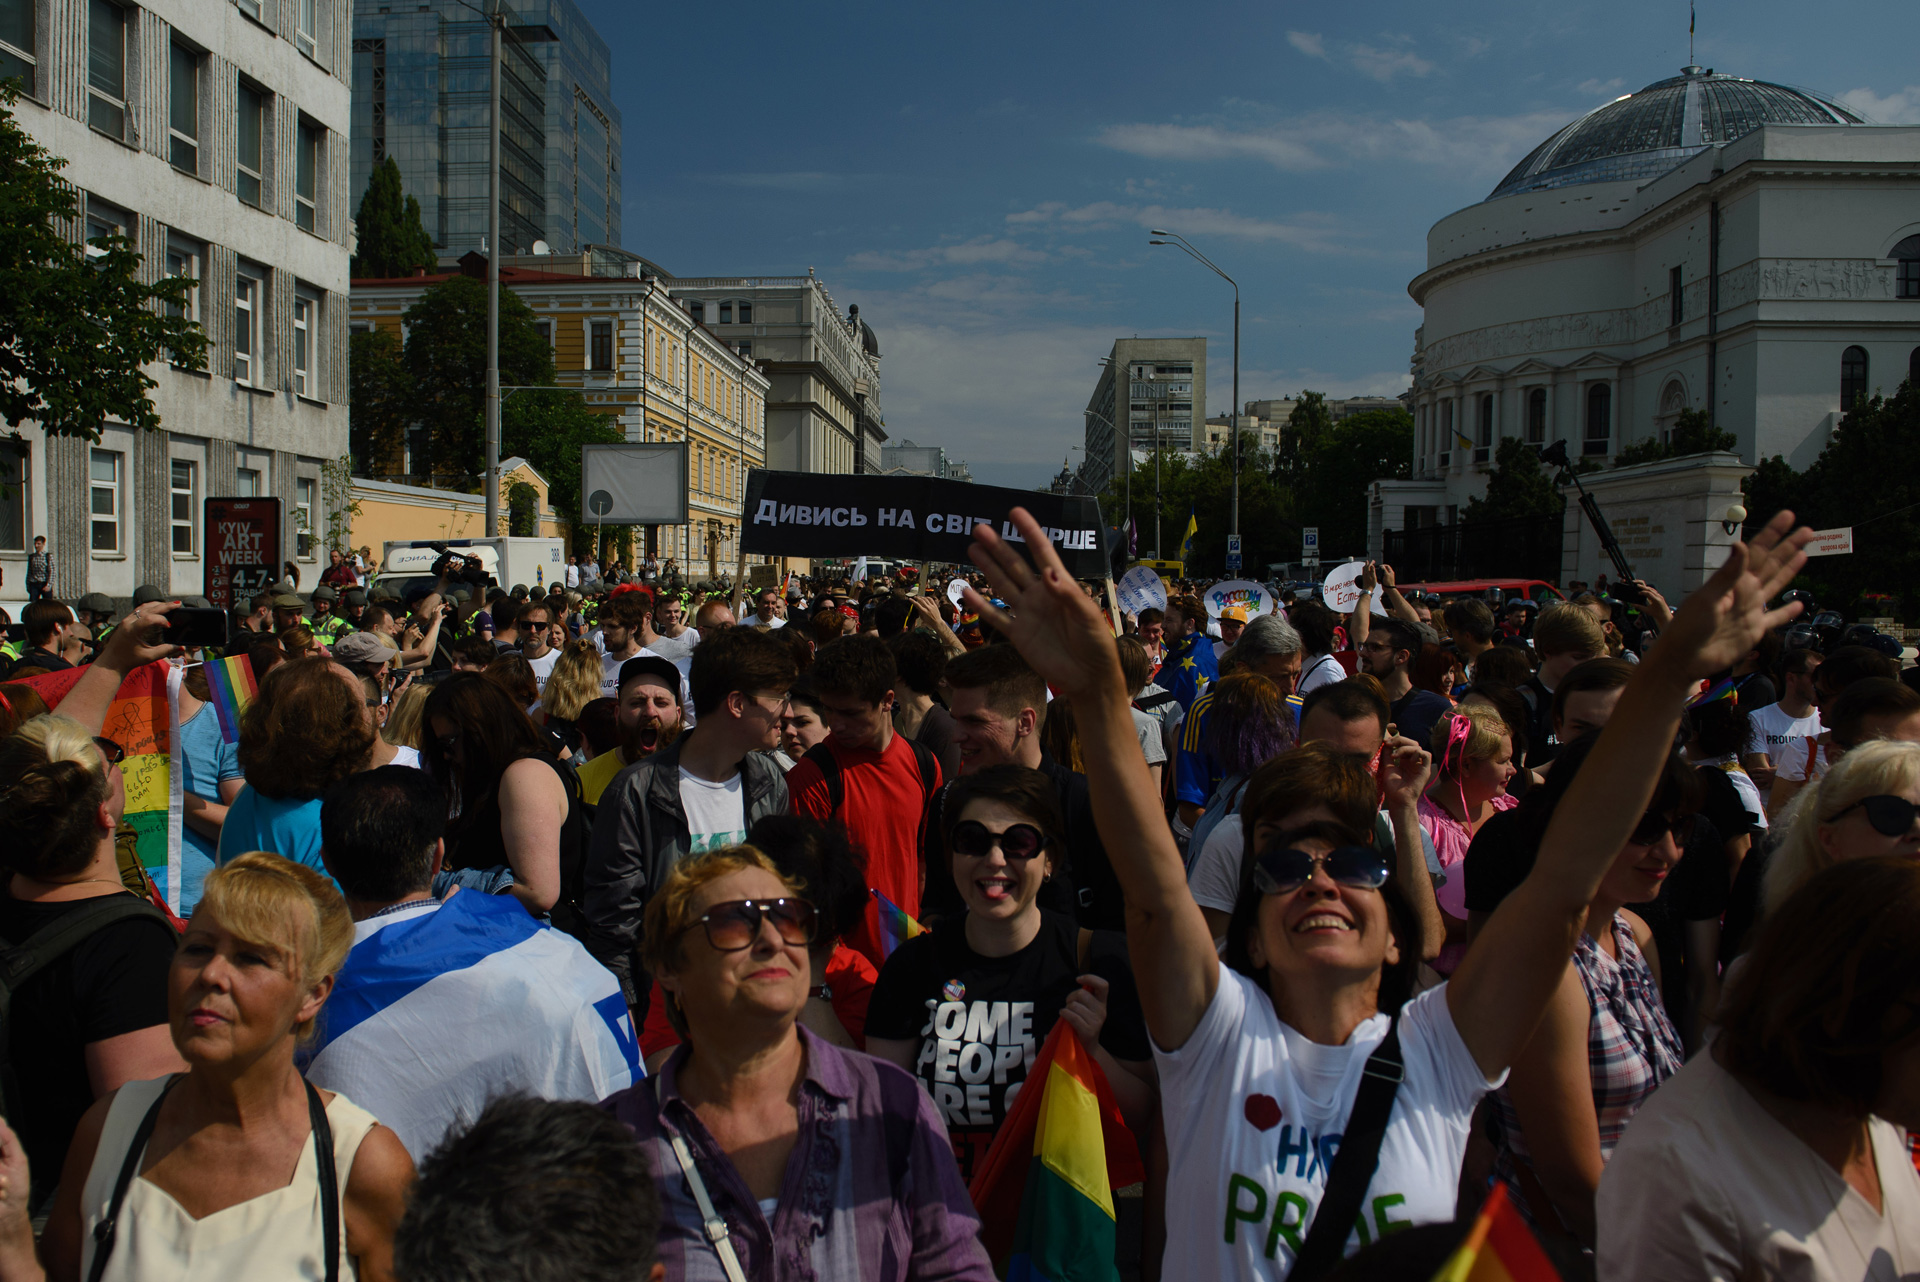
column 1520, row 547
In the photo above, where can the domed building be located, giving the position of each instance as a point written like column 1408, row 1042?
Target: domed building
column 1711, row 242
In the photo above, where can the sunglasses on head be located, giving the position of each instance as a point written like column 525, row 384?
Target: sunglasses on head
column 735, row 924
column 1278, row 872
column 1020, row 841
column 1890, row 816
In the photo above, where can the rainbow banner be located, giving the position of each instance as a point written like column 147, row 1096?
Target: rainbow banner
column 1045, row 1189
column 1721, row 689
column 1499, row 1248
column 896, row 928
column 231, row 683
column 144, row 720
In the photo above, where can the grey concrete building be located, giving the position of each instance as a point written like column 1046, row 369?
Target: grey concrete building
column 1156, row 387
column 213, row 135
column 421, row 95
column 922, row 460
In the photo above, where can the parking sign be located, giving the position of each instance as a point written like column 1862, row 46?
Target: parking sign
column 1233, row 552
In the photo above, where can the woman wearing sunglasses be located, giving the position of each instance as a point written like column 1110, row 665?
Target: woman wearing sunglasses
column 819, row 1161
column 1867, row 804
column 936, row 1010
column 1261, row 1061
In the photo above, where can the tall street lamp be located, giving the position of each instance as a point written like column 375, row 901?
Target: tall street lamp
column 496, row 22
column 1233, row 413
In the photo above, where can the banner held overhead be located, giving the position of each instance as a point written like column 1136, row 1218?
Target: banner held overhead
column 634, row 483
column 909, row 518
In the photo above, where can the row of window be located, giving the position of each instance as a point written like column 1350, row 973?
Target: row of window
column 107, row 504
column 728, row 310
column 1855, row 367
column 1439, row 435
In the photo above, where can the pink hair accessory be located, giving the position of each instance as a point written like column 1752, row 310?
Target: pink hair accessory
column 1459, row 727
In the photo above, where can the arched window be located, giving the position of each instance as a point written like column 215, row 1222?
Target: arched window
column 1853, row 377
column 1486, row 422
column 1599, row 419
column 1673, row 399
column 1907, row 252
column 1537, row 416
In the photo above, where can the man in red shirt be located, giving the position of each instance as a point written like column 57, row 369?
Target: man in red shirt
column 872, row 781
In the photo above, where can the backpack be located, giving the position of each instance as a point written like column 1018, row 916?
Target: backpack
column 1225, row 801
column 829, row 767
column 569, row 912
column 21, row 962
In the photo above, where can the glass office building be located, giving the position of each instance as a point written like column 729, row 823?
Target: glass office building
column 420, row 95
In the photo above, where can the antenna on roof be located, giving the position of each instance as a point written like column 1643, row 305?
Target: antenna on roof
column 1690, row 22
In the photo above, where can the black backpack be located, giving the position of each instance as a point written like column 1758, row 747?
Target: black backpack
column 21, row 962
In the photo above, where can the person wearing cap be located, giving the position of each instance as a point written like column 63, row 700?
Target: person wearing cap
column 365, row 654
column 648, row 715
column 288, row 611
column 95, row 609
column 353, row 604
column 1232, row 619
column 326, row 626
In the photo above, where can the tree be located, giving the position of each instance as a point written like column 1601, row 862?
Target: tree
column 548, row 429
column 391, row 240
column 1691, row 433
column 446, row 355
column 77, row 324
column 1203, row 484
column 1517, row 486
column 380, row 403
column 1309, row 422
column 1346, row 458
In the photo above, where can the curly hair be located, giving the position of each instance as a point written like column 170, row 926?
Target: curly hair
column 574, row 681
column 304, row 731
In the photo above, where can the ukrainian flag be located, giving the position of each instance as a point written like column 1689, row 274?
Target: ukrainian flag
column 1186, row 544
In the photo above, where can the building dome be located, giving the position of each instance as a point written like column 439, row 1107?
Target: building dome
column 1640, row 136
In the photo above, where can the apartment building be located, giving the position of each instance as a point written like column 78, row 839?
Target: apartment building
column 213, row 135
column 1157, row 387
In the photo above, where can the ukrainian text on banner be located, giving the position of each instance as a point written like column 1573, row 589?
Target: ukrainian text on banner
column 911, row 518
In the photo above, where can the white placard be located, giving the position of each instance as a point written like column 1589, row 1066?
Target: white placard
column 1256, row 599
column 954, row 589
column 1341, row 591
column 1140, row 589
column 1834, row 542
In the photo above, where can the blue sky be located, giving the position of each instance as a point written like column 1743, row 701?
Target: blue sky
column 980, row 178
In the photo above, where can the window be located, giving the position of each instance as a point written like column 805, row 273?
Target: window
column 544, row 328
column 13, row 499
column 1906, row 253
column 103, row 222
column 183, row 260
column 246, row 482
column 359, row 327
column 1599, row 419
column 1446, row 422
column 16, row 43
column 251, row 8
column 107, row 67
column 183, row 108
column 699, row 313
column 1484, row 442
column 303, row 381
column 1853, row 377
column 104, row 473
column 600, row 357
column 1676, row 310
column 726, row 313
column 746, row 313
column 1537, row 416
column 303, row 489
column 745, row 349
column 306, row 164
column 246, row 329
column 180, row 494
column 304, row 26
column 252, row 125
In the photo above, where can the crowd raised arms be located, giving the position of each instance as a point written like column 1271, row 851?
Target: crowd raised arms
column 772, row 925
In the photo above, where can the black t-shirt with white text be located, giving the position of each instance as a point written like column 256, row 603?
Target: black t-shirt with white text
column 979, row 1021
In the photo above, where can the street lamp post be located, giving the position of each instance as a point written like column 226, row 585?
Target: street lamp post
column 495, row 21
column 1233, row 413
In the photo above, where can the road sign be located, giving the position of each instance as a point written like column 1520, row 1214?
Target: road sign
column 1310, row 543
column 1233, row 552
column 242, row 542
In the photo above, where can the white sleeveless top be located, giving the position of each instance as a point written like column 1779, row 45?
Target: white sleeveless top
column 276, row 1235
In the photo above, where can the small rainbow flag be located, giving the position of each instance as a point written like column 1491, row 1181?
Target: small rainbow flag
column 231, row 683
column 1499, row 1248
column 896, row 928
column 1721, row 689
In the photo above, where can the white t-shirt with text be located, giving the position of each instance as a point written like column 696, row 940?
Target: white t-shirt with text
column 543, row 667
column 1255, row 1112
column 716, row 812
column 1770, row 728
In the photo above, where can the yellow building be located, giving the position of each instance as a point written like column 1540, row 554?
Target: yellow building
column 384, row 512
column 639, row 356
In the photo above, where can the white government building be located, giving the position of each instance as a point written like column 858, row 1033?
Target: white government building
column 1710, row 242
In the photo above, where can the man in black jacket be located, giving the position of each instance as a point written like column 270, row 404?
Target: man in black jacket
column 702, row 792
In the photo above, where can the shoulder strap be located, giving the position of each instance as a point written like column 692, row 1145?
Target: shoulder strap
column 714, row 1226
column 1354, row 1162
column 829, row 767
column 329, row 1181
column 108, row 1227
column 929, row 768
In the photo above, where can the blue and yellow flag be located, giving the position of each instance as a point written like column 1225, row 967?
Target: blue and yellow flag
column 1186, row 544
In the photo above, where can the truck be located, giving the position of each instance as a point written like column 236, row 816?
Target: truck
column 407, row 564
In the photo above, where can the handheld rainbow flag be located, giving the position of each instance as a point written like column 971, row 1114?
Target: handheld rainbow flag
column 1045, row 1189
column 232, row 685
column 1499, row 1248
column 1721, row 689
column 896, row 928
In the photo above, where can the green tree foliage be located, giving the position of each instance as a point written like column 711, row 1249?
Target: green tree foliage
column 380, row 403
column 1307, row 426
column 1344, row 460
column 1867, row 477
column 1691, row 433
column 523, row 510
column 391, row 240
column 548, row 429
column 1203, row 485
column 1517, row 486
column 446, row 355
column 77, row 324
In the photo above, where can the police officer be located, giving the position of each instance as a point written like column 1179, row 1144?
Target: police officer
column 326, row 626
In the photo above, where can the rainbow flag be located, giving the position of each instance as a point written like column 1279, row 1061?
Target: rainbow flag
column 144, row 720
column 1499, row 1248
column 1721, row 689
column 1045, row 1189
column 896, row 928
column 231, row 683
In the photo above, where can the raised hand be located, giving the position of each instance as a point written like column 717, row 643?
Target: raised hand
column 1048, row 619
column 1404, row 770
column 1720, row 624
column 140, row 638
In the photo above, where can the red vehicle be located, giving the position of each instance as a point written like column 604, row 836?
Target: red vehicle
column 1493, row 591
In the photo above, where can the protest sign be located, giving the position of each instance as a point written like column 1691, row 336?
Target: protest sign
column 954, row 589
column 1254, row 598
column 1341, row 591
column 1141, row 589
column 909, row 518
column 1835, row 542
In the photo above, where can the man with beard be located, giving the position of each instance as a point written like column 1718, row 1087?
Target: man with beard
column 646, row 715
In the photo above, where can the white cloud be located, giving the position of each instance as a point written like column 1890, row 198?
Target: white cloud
column 1384, row 64
column 1307, row 233
column 1314, row 46
column 1466, row 144
column 1207, row 142
column 1900, row 107
column 981, row 249
column 1601, row 88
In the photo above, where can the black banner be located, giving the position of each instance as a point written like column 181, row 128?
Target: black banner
column 909, row 518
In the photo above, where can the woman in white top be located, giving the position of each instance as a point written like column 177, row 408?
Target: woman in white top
column 220, row 1173
column 1260, row 1063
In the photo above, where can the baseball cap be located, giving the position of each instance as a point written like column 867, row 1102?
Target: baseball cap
column 1234, row 614
column 95, row 603
column 288, row 601
column 325, row 593
column 362, row 647
column 146, row 592
column 650, row 665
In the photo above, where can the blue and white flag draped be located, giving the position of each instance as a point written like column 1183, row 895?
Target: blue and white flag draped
column 443, row 1007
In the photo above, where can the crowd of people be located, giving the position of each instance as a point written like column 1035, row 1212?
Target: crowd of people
column 637, row 928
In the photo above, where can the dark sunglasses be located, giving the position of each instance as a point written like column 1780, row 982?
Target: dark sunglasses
column 734, row 925
column 1890, row 816
column 973, row 839
column 112, row 751
column 1279, row 872
column 1651, row 829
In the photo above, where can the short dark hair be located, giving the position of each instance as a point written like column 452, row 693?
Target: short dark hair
column 627, row 610
column 802, row 691
column 378, row 829
column 42, row 618
column 737, row 659
column 1020, row 788
column 890, row 617
column 1347, row 701
column 1851, row 663
column 819, row 857
column 543, row 604
column 1401, row 635
column 1873, row 697
column 1133, row 662
column 1150, row 616
column 1507, row 665
column 1009, row 680
column 921, row 660
column 1591, row 677
column 1472, row 618
column 546, row 1189
column 860, row 666
column 510, row 670
column 1315, row 624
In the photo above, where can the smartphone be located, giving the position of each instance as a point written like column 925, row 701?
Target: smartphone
column 193, row 626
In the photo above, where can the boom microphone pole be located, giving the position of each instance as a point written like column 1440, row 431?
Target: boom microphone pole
column 1556, row 456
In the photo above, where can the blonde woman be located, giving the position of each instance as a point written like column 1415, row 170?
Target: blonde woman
column 297, row 641
column 404, row 713
column 1472, row 763
column 573, row 684
column 1868, row 803
column 236, row 1169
